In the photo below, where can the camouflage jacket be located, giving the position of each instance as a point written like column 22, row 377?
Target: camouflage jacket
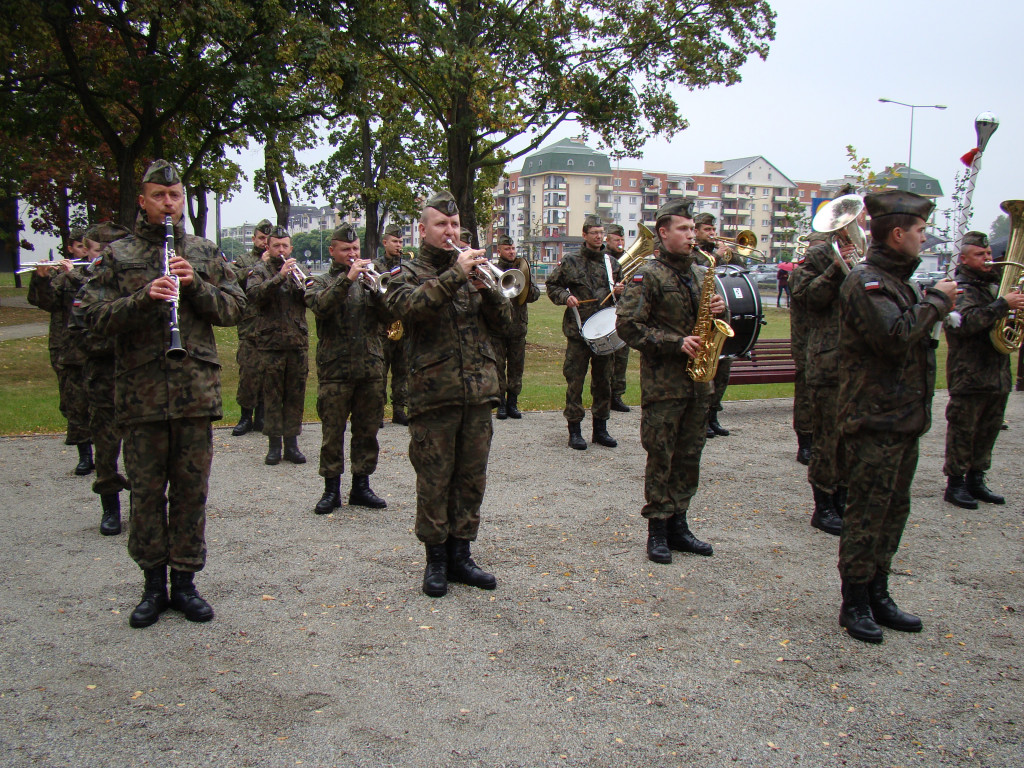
column 815, row 284
column 384, row 264
column 41, row 294
column 280, row 305
column 520, row 312
column 349, row 318
column 95, row 345
column 243, row 268
column 148, row 386
column 584, row 276
column 974, row 364
column 798, row 324
column 56, row 294
column 886, row 353
column 656, row 312
column 448, row 325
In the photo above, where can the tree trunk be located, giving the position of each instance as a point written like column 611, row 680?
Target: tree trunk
column 64, row 219
column 10, row 229
column 461, row 176
column 127, row 188
column 371, row 203
column 277, row 186
column 202, row 212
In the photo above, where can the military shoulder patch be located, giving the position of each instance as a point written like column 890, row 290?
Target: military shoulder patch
column 310, row 282
column 395, row 270
column 872, row 285
column 638, row 278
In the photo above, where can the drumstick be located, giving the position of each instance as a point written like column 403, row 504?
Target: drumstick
column 588, row 301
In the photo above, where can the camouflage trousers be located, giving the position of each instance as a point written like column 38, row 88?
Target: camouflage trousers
column 106, row 434
column 619, row 371
column 802, row 424
column 511, row 361
column 579, row 357
column 74, row 403
column 673, row 433
column 828, row 467
column 448, row 448
column 250, row 374
column 1020, row 369
column 972, row 426
column 882, row 466
column 394, row 360
column 721, row 382
column 364, row 402
column 284, row 391
column 168, row 464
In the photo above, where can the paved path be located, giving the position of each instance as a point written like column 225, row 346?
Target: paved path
column 23, row 331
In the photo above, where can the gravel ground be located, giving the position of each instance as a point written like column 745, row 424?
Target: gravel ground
column 325, row 653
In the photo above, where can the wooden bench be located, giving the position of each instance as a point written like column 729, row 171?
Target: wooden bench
column 770, row 362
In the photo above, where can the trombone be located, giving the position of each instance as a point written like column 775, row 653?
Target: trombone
column 511, row 282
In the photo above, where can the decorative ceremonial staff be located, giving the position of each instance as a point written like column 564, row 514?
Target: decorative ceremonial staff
column 985, row 125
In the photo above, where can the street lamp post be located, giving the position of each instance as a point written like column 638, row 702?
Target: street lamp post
column 910, row 152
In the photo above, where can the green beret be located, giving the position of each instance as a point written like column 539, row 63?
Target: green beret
column 682, row 208
column 393, row 229
column 590, row 220
column 265, row 227
column 161, row 172
column 895, row 201
column 615, row 229
column 979, row 239
column 444, row 202
column 704, row 218
column 279, row 232
column 76, row 235
column 107, row 232
column 345, row 233
column 505, row 240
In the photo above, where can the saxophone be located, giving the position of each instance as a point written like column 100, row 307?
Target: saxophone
column 712, row 331
column 1008, row 332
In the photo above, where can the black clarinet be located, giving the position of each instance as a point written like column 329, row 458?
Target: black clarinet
column 175, row 351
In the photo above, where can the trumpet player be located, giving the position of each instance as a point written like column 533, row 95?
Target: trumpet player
column 978, row 375
column 350, row 318
column 276, row 288
column 510, row 346
column 394, row 348
column 165, row 405
column 615, row 244
column 250, row 370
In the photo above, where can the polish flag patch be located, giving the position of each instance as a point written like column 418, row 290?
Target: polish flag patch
column 395, row 270
column 638, row 278
column 874, row 285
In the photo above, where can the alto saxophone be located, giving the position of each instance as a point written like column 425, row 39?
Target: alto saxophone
column 712, row 331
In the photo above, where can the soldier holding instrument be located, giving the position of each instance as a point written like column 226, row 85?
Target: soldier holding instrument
column 510, row 347
column 615, row 245
column 250, row 370
column 393, row 345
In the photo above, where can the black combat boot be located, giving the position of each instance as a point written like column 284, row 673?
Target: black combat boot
column 855, row 614
column 292, row 452
column 657, row 542
column 110, row 525
column 85, row 463
column 803, row 451
column 618, row 405
column 839, row 500
column 399, row 416
column 462, row 569
column 257, row 417
column 435, row 575
column 708, row 431
column 681, row 538
column 362, row 496
column 715, row 427
column 576, row 440
column 244, row 425
column 186, row 599
column 512, row 406
column 502, row 409
column 331, row 499
column 825, row 517
column 273, row 450
column 957, row 493
column 885, row 610
column 154, row 598
column 977, row 488
column 601, row 436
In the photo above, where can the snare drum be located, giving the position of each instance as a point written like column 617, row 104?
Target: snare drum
column 743, row 309
column 599, row 332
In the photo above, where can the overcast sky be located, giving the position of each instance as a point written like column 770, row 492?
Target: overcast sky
column 818, row 91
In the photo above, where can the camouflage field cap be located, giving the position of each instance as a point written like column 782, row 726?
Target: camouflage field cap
column 394, row 230
column 465, row 235
column 979, row 239
column 345, row 233
column 279, row 232
column 895, row 201
column 76, row 235
column 590, row 220
column 265, row 226
column 704, row 218
column 682, row 208
column 615, row 229
column 107, row 232
column 505, row 240
column 814, row 237
column 444, row 202
column 161, row 172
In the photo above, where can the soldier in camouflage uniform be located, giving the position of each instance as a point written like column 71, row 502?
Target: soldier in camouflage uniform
column 798, row 330
column 350, row 316
column 886, row 383
column 277, row 290
column 53, row 288
column 453, row 384
column 394, row 349
column 510, row 347
column 656, row 316
column 166, row 406
column 580, row 283
column 250, row 368
column 615, row 245
column 977, row 373
column 815, row 286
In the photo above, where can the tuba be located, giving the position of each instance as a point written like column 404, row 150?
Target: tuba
column 712, row 331
column 839, row 216
column 1008, row 332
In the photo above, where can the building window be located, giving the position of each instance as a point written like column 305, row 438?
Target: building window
column 766, row 222
column 632, row 182
column 928, row 185
column 764, row 238
column 588, row 180
column 802, row 192
column 618, row 182
column 753, row 206
column 570, row 163
column 632, row 217
column 769, row 177
column 913, row 185
column 767, row 191
column 618, row 217
column 618, row 199
column 586, row 198
column 750, row 175
column 632, row 200
column 590, row 164
column 714, row 187
column 700, row 187
column 765, row 207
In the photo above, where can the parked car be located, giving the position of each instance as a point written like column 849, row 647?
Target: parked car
column 926, row 280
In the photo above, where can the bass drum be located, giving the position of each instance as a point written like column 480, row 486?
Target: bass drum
column 743, row 308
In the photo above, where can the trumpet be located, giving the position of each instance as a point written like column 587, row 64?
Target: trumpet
column 839, row 217
column 33, row 265
column 511, row 282
column 375, row 280
column 299, row 275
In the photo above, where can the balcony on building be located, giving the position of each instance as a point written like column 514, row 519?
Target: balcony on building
column 730, row 195
column 604, row 188
column 784, row 199
column 604, row 204
column 649, row 223
column 780, row 214
column 650, row 207
column 676, row 193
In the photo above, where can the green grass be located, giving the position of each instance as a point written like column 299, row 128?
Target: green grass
column 28, row 387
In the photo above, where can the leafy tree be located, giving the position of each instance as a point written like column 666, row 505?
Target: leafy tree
column 867, row 179
column 794, row 222
column 1000, row 226
column 232, row 248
